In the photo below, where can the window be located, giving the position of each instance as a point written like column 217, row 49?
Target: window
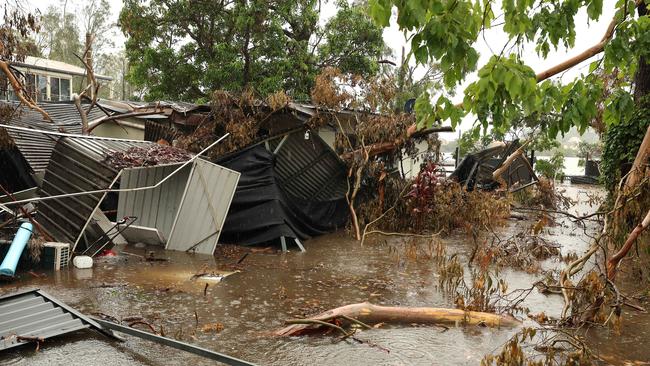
column 54, row 89
column 42, row 88
column 30, row 85
column 65, row 89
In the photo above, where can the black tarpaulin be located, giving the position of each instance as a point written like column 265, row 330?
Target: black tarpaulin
column 14, row 171
column 264, row 206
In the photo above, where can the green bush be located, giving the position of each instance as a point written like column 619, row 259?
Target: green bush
column 621, row 143
column 552, row 168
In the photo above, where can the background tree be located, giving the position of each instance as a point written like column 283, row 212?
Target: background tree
column 59, row 38
column 353, row 43
column 185, row 51
column 95, row 15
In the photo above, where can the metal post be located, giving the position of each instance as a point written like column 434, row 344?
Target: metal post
column 277, row 148
column 283, row 242
column 299, row 244
column 220, row 357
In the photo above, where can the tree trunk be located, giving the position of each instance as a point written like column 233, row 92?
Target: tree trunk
column 612, row 263
column 19, row 90
column 247, row 59
column 496, row 175
column 639, row 167
column 641, row 89
column 372, row 314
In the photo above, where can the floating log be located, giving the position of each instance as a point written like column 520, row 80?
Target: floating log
column 372, row 314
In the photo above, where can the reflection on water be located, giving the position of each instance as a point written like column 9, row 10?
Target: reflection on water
column 273, row 287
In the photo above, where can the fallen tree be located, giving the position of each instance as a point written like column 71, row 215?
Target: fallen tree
column 19, row 90
column 367, row 313
column 612, row 264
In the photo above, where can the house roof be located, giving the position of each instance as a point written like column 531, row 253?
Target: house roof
column 33, row 144
column 43, row 64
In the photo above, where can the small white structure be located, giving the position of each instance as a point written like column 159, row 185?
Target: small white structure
column 82, row 262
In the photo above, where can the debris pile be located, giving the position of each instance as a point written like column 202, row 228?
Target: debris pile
column 139, row 156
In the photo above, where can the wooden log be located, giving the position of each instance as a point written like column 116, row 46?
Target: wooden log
column 382, row 147
column 372, row 314
column 496, row 175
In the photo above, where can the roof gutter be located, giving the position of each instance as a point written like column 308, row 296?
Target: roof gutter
column 49, row 69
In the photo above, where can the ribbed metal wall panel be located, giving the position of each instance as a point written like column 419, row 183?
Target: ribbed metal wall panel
column 204, row 207
column 157, row 207
column 77, row 165
column 309, row 168
column 34, row 313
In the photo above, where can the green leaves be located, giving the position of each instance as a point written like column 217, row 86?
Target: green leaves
column 184, row 50
column 620, row 107
column 428, row 114
column 444, row 31
column 505, row 88
column 380, row 11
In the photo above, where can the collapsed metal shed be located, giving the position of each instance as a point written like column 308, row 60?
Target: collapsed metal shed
column 476, row 169
column 77, row 165
column 291, row 186
column 157, row 207
column 188, row 210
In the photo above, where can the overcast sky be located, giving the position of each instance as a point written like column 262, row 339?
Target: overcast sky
column 587, row 35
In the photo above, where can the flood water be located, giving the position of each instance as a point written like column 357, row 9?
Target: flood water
column 272, row 287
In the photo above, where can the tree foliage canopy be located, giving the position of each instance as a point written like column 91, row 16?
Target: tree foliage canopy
column 59, row 38
column 183, row 49
column 507, row 89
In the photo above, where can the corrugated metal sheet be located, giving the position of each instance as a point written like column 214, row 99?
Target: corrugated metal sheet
column 34, row 313
column 309, row 168
column 37, row 147
column 203, row 208
column 156, row 208
column 154, row 131
column 77, row 165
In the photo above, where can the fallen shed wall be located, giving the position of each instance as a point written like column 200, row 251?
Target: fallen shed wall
column 77, row 165
column 298, row 192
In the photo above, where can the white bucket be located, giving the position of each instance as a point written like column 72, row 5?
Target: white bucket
column 82, row 261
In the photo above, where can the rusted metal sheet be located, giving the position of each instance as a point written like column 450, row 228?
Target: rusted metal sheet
column 155, row 131
column 203, row 208
column 35, row 314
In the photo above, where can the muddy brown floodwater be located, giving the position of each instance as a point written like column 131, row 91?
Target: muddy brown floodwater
column 272, row 287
